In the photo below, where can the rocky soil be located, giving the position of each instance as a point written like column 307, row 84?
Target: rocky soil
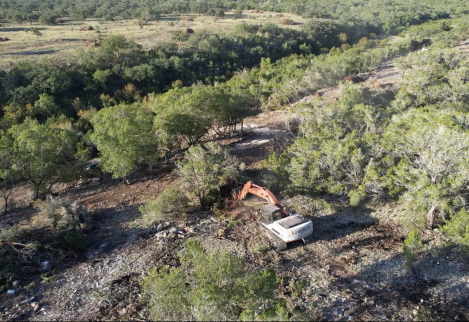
column 352, row 265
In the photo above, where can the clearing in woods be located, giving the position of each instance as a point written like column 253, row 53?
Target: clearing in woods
column 352, row 265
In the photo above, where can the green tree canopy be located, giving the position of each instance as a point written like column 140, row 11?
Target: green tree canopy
column 124, row 136
column 204, row 170
column 215, row 287
column 430, row 162
column 41, row 152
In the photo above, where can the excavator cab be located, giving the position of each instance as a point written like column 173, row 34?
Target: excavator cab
column 270, row 213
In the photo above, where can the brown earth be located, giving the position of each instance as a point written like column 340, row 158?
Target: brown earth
column 352, row 264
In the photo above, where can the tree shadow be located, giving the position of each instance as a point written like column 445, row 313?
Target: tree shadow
column 33, row 52
column 12, row 29
column 162, row 19
column 341, row 224
column 435, row 288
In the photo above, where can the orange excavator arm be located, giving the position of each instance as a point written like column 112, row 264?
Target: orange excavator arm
column 259, row 191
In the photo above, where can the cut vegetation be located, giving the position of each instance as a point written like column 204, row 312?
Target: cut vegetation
column 120, row 149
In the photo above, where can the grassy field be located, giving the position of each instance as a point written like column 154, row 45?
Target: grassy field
column 59, row 41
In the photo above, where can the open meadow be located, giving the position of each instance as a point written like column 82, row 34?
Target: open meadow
column 59, row 41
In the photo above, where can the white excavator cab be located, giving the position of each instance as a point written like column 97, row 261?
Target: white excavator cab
column 284, row 229
column 270, row 213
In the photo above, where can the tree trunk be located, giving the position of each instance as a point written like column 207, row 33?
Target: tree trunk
column 430, row 216
column 5, row 200
column 36, row 194
column 201, row 201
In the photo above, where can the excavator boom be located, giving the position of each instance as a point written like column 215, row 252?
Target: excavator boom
column 282, row 227
column 259, row 191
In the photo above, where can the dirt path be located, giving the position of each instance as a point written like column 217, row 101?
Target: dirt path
column 352, row 266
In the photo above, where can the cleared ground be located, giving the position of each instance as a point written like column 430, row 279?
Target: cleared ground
column 352, row 266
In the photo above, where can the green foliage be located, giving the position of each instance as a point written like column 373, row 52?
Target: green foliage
column 72, row 240
column 59, row 214
column 167, row 206
column 48, row 18
column 233, row 222
column 457, row 229
column 35, row 32
column 46, row 106
column 9, row 176
column 41, row 153
column 211, row 287
column 431, row 173
column 412, row 246
column 297, row 287
column 202, row 171
column 7, row 269
column 124, row 136
column 189, row 113
column 275, row 169
column 434, row 76
column 167, row 295
column 425, row 314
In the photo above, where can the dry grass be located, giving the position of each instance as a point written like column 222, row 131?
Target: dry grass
column 57, row 42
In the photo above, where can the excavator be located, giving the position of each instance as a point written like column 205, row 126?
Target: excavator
column 282, row 227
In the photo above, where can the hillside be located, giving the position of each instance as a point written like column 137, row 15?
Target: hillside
column 118, row 160
column 352, row 265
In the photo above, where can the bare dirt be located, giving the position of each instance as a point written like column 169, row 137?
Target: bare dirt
column 352, row 265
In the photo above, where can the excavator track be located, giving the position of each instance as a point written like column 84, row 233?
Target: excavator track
column 280, row 245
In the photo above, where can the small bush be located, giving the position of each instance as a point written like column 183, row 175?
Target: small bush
column 7, row 273
column 412, row 245
column 309, row 206
column 73, row 240
column 425, row 314
column 297, row 287
column 356, row 196
column 168, row 205
column 59, row 214
column 233, row 222
column 457, row 229
column 212, row 286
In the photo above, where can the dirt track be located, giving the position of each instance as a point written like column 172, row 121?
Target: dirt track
column 352, row 265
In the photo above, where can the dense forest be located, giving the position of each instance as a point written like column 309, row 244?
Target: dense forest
column 136, row 109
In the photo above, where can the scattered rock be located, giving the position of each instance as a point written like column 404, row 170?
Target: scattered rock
column 160, row 227
column 15, row 284
column 35, row 306
column 161, row 234
column 28, row 300
column 187, row 19
column 46, row 266
column 278, row 15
